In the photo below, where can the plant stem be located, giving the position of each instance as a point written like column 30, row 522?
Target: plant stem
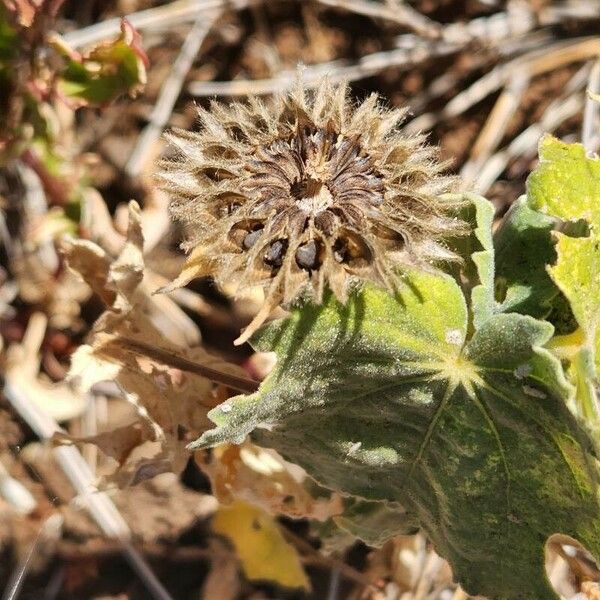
column 242, row 384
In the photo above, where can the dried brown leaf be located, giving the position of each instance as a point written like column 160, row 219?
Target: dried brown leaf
column 92, row 263
column 262, row 477
column 591, row 590
column 172, row 403
column 117, row 443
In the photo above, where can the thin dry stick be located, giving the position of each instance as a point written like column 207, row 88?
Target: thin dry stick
column 338, row 70
column 516, row 21
column 534, row 63
column 49, row 529
column 415, row 51
column 402, row 14
column 584, row 9
column 494, row 128
column 449, row 81
column 169, row 93
column 166, row 357
column 525, row 144
column 99, row 505
column 160, row 17
column 590, row 130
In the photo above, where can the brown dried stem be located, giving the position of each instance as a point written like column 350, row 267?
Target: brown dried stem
column 165, row 357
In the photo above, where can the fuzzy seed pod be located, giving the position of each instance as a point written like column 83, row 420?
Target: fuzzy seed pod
column 304, row 193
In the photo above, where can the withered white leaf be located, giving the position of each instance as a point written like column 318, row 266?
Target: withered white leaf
column 262, row 477
column 173, row 403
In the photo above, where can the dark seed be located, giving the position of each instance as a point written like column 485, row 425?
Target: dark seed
column 340, row 250
column 251, row 238
column 307, row 256
column 349, row 248
column 275, row 253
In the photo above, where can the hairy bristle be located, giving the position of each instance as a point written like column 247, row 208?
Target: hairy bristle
column 305, row 193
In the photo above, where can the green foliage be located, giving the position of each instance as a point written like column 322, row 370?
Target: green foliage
column 38, row 69
column 524, row 247
column 106, row 72
column 566, row 186
column 478, row 252
column 446, row 407
column 385, row 399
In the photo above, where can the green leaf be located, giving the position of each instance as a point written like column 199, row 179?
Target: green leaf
column 483, row 302
column 524, row 247
column 385, row 399
column 106, row 72
column 566, row 185
column 478, row 251
column 375, row 522
column 9, row 42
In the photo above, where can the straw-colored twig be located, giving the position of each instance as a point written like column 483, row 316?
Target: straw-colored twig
column 565, row 106
column 241, row 384
column 160, row 17
column 338, row 70
column 402, row 14
column 525, row 144
column 99, row 505
column 590, row 130
column 533, row 64
column 169, row 93
column 517, row 20
column 494, row 128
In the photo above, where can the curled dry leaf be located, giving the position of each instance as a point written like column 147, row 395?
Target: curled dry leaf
column 262, row 477
column 22, row 364
column 591, row 590
column 117, row 443
column 172, row 404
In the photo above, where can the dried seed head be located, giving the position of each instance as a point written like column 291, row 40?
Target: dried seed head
column 305, row 193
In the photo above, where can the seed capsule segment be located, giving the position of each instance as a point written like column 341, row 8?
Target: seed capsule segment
column 320, row 193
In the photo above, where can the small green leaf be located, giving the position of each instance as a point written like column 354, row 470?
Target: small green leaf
column 483, row 302
column 478, row 251
column 375, row 522
column 566, row 185
column 9, row 41
column 385, row 399
column 106, row 72
column 524, row 247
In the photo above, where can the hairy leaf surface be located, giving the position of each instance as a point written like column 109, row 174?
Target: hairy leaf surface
column 566, row 185
column 385, row 399
column 524, row 247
